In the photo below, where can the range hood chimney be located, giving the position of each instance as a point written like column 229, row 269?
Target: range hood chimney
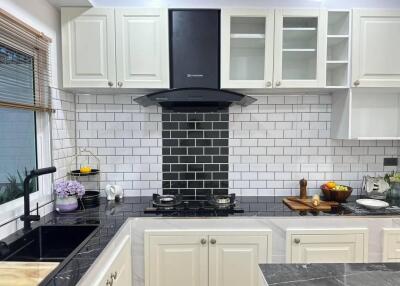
column 194, row 65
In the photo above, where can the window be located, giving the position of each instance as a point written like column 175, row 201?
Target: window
column 17, row 126
column 25, row 103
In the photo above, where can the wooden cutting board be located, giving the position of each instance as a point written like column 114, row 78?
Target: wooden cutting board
column 24, row 273
column 297, row 206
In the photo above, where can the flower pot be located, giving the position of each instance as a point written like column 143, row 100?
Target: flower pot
column 66, row 204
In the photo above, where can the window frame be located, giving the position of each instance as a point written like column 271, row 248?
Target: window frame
column 44, row 193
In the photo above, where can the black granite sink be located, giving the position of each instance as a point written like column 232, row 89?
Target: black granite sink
column 47, row 243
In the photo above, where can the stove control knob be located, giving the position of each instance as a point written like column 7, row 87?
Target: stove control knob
column 213, row 241
column 203, row 241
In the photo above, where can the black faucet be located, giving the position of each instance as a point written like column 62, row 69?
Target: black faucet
column 27, row 217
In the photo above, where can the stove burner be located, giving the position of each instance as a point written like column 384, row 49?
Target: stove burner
column 179, row 205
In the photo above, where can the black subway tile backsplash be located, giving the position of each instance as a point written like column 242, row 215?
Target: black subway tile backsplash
column 195, row 152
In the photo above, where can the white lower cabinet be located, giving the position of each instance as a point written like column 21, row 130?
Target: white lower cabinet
column 327, row 245
column 391, row 245
column 119, row 270
column 200, row 258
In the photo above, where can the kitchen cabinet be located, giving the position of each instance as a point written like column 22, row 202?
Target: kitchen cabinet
column 366, row 114
column 376, row 41
column 247, row 43
column 88, row 47
column 118, row 48
column 300, row 48
column 327, row 245
column 391, row 245
column 142, row 48
column 118, row 270
column 183, row 258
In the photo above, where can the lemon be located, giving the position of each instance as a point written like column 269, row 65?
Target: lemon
column 85, row 169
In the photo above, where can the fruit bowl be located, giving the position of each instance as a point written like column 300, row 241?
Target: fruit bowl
column 334, row 195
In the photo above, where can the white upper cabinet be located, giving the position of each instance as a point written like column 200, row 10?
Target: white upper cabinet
column 115, row 48
column 300, row 48
column 88, row 45
column 142, row 48
column 376, row 42
column 247, row 48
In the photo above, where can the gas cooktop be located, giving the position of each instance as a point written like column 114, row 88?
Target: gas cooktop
column 178, row 205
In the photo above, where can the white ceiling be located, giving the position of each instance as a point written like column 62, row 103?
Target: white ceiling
column 332, row 4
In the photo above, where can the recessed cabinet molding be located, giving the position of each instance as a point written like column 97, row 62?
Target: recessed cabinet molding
column 300, row 48
column 88, row 61
column 247, row 43
column 376, row 41
column 202, row 257
column 327, row 245
column 391, row 245
column 115, row 48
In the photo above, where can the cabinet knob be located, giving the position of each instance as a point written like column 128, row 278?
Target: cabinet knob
column 213, row 241
column 278, row 83
column 109, row 282
column 110, row 83
column 114, row 275
column 203, row 241
column 120, row 83
column 268, row 84
column 297, row 240
column 357, row 83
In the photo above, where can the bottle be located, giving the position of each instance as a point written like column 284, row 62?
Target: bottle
column 303, row 189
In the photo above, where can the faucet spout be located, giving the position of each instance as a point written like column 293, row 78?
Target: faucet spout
column 27, row 217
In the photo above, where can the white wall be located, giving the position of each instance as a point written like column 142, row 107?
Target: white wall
column 45, row 18
column 331, row 4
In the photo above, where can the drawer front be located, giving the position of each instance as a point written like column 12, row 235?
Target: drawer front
column 391, row 245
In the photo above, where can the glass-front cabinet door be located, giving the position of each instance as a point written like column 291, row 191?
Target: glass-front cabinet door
column 300, row 48
column 247, row 48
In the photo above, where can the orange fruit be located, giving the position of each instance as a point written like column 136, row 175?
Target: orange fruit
column 331, row 185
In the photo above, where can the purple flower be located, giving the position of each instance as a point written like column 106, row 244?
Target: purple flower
column 69, row 188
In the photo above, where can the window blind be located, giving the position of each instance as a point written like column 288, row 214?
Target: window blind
column 24, row 66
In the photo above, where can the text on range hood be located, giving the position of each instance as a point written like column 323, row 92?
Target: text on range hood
column 194, row 64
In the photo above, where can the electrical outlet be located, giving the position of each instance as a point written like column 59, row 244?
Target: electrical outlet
column 390, row 161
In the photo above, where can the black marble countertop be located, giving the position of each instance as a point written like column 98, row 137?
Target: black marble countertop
column 110, row 216
column 326, row 274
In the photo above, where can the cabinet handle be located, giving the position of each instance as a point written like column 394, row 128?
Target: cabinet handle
column 109, row 282
column 114, row 275
column 203, row 241
column 268, row 84
column 110, row 83
column 357, row 83
column 120, row 83
column 278, row 83
column 213, row 241
column 297, row 240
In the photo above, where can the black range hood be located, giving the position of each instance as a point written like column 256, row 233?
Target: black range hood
column 194, row 65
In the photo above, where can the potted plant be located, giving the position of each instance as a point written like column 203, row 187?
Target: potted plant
column 68, row 193
column 394, row 192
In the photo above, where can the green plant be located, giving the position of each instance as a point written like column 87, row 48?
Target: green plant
column 14, row 189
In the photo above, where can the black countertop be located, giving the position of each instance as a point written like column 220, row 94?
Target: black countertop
column 326, row 274
column 110, row 216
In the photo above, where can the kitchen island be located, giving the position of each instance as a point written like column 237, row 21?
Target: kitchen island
column 327, row 274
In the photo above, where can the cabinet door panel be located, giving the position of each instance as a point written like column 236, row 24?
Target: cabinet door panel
column 247, row 48
column 176, row 261
column 142, row 48
column 391, row 245
column 88, row 47
column 376, row 40
column 234, row 259
column 300, row 48
column 120, row 263
column 328, row 247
